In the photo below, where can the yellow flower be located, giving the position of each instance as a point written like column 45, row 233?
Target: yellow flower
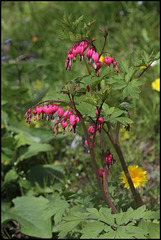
column 143, row 67
column 35, row 38
column 156, row 85
column 138, row 176
column 101, row 59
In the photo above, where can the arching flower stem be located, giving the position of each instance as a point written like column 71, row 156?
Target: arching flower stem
column 54, row 101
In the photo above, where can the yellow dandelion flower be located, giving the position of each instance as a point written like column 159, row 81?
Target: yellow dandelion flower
column 156, row 85
column 138, row 176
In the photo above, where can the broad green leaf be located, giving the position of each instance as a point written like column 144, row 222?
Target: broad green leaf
column 21, row 139
column 5, row 215
column 117, row 113
column 46, row 172
column 124, row 120
column 92, row 229
column 34, row 149
column 11, row 175
column 28, row 212
column 107, row 110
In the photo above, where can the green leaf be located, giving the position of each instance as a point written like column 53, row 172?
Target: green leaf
column 91, row 230
column 109, row 235
column 66, row 227
column 11, row 175
column 124, row 120
column 132, row 89
column 56, row 207
column 107, row 109
column 152, row 228
column 157, row 56
column 123, row 66
column 34, row 149
column 22, row 139
column 71, row 222
column 106, row 216
column 152, row 215
column 130, row 73
column 117, row 113
column 139, row 212
column 130, row 232
column 5, row 215
column 46, row 172
column 83, row 108
column 28, row 212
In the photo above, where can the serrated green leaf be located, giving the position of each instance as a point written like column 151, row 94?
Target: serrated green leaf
column 106, row 216
column 91, row 230
column 76, row 22
column 71, row 222
column 132, row 89
column 152, row 228
column 123, row 66
column 130, row 73
column 152, row 215
column 66, row 227
column 56, row 207
column 109, row 235
column 139, row 212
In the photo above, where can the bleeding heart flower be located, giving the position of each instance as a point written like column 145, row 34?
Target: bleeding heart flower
column 95, row 57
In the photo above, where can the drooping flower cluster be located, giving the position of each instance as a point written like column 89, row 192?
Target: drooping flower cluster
column 91, row 54
column 49, row 111
column 109, row 161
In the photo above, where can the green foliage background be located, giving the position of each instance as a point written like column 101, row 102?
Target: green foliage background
column 34, row 162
